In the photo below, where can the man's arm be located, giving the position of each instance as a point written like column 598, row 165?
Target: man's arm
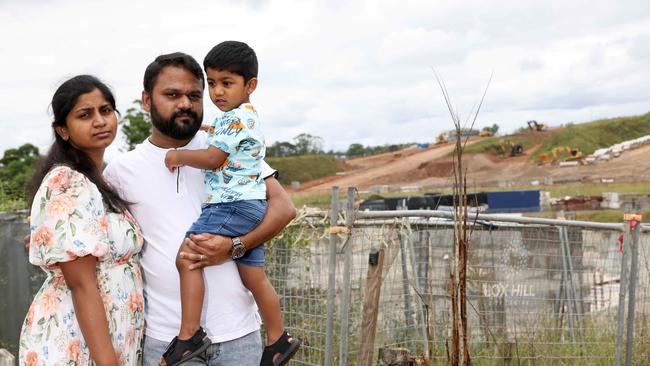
column 210, row 158
column 214, row 248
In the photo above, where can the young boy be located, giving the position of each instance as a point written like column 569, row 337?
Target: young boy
column 235, row 205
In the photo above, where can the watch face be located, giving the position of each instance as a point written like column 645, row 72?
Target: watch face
column 238, row 250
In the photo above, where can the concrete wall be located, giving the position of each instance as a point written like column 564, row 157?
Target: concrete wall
column 19, row 280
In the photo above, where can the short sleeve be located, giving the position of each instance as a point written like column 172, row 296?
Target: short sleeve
column 229, row 131
column 267, row 171
column 68, row 219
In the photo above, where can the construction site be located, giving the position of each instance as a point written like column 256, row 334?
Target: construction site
column 521, row 160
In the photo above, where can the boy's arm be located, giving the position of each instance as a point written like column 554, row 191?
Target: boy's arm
column 210, row 158
column 213, row 249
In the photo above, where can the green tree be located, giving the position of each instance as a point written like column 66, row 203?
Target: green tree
column 492, row 129
column 16, row 168
column 355, row 150
column 281, row 149
column 308, row 144
column 136, row 125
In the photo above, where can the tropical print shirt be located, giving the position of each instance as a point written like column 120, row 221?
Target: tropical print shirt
column 237, row 133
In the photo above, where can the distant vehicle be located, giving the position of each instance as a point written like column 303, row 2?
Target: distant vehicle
column 561, row 153
column 515, row 149
column 451, row 135
column 536, row 126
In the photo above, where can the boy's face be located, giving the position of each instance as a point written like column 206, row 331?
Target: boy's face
column 227, row 90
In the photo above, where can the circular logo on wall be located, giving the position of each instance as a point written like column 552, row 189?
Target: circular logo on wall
column 514, row 258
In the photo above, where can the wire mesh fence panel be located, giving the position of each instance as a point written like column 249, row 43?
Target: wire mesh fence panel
column 537, row 294
column 297, row 267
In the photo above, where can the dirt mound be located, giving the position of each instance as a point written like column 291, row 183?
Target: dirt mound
column 436, row 168
column 432, row 168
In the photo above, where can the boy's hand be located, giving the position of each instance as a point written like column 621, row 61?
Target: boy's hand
column 171, row 160
column 205, row 127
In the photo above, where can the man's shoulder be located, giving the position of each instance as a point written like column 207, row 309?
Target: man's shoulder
column 135, row 159
column 126, row 158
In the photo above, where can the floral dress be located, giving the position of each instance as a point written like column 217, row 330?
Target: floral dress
column 69, row 220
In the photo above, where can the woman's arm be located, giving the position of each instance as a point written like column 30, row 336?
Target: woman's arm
column 213, row 249
column 80, row 277
column 210, row 158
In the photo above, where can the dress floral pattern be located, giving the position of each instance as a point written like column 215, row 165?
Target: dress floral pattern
column 68, row 220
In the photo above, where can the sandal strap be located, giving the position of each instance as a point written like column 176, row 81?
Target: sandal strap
column 178, row 347
column 198, row 336
column 281, row 345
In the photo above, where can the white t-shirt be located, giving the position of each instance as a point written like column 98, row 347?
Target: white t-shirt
column 165, row 205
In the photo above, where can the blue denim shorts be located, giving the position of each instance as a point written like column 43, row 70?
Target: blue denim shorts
column 233, row 219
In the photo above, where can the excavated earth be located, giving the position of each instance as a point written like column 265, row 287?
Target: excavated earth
column 432, row 168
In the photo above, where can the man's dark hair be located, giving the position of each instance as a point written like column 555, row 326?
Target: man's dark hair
column 177, row 59
column 233, row 56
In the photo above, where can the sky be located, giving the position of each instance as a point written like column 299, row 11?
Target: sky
column 347, row 71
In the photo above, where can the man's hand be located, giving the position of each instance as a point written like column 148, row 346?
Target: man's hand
column 171, row 160
column 210, row 250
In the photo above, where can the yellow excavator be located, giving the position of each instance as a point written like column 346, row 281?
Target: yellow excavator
column 536, row 126
column 515, row 149
column 561, row 153
column 441, row 138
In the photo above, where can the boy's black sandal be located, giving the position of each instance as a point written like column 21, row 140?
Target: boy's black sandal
column 284, row 348
column 179, row 351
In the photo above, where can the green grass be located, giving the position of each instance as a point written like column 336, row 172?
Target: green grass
column 491, row 144
column 319, row 200
column 578, row 189
column 588, row 137
column 304, row 168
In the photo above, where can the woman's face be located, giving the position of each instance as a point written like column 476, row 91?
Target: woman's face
column 91, row 124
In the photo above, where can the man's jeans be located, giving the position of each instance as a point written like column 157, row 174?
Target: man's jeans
column 244, row 351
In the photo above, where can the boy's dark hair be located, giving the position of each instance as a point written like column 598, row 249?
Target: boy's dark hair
column 177, row 59
column 236, row 57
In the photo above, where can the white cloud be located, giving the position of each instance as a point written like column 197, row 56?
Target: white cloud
column 349, row 71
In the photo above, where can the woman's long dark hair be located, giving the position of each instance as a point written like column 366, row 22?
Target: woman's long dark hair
column 63, row 153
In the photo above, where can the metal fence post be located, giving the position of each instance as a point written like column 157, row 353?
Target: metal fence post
column 331, row 278
column 347, row 261
column 418, row 291
column 408, row 312
column 577, row 294
column 566, row 285
column 620, row 317
column 634, row 275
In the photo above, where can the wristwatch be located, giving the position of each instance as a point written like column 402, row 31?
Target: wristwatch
column 238, row 248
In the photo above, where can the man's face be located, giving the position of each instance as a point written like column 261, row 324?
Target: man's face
column 176, row 103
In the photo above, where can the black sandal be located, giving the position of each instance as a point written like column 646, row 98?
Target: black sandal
column 283, row 347
column 179, row 351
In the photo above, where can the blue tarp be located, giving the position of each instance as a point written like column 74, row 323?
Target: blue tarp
column 513, row 201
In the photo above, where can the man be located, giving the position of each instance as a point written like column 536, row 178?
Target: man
column 165, row 205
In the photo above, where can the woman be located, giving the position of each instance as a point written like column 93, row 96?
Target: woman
column 90, row 308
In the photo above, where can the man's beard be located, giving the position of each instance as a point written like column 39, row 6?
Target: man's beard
column 173, row 129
